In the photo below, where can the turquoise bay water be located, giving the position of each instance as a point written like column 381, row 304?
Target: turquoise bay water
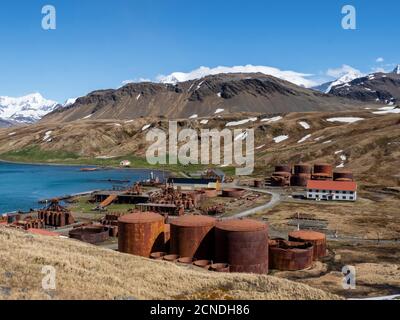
column 22, row 186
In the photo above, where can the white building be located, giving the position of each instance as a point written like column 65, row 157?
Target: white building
column 332, row 190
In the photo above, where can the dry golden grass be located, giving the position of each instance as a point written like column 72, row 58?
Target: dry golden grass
column 89, row 272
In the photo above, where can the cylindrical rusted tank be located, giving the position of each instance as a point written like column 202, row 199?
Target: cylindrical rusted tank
column 141, row 233
column 210, row 192
column 193, row 236
column 300, row 180
column 323, row 168
column 290, row 256
column 243, row 244
column 233, row 193
column 339, row 175
column 302, row 169
column 283, row 168
column 90, row 234
column 316, row 238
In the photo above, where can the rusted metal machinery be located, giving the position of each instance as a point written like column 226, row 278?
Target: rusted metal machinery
column 243, row 244
column 26, row 224
column 343, row 175
column 169, row 196
column 233, row 193
column 283, row 168
column 193, row 236
column 136, row 189
column 56, row 215
column 214, row 210
column 111, row 222
column 290, row 256
column 141, row 233
column 322, row 171
column 317, row 239
column 90, row 234
column 280, row 179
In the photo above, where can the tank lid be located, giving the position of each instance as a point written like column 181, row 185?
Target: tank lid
column 193, row 221
column 245, row 225
column 307, row 235
column 141, row 217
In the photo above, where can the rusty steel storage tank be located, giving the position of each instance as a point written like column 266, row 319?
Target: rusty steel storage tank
column 233, row 193
column 193, row 236
column 243, row 244
column 300, row 180
column 290, row 256
column 343, row 174
column 302, row 169
column 323, row 168
column 316, row 238
column 283, row 168
column 141, row 233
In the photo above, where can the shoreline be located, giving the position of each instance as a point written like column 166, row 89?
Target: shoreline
column 80, row 165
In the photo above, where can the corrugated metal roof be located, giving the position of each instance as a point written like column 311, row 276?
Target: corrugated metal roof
column 332, row 185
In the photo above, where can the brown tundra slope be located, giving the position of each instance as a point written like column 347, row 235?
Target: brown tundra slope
column 370, row 147
column 88, row 272
column 203, row 97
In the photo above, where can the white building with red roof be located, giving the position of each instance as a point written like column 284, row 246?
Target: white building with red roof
column 332, row 190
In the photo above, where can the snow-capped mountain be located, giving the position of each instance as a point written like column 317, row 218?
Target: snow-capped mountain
column 26, row 109
column 343, row 80
column 300, row 79
column 69, row 102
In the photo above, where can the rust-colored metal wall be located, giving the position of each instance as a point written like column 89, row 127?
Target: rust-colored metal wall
column 90, row 234
column 290, row 256
column 141, row 233
column 243, row 244
column 193, row 236
column 316, row 238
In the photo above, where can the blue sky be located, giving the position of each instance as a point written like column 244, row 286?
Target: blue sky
column 100, row 43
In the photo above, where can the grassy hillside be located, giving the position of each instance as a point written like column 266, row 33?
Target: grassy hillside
column 89, row 272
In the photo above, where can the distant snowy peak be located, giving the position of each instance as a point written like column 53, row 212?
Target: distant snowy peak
column 397, row 69
column 26, row 109
column 345, row 79
column 300, row 79
column 69, row 102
